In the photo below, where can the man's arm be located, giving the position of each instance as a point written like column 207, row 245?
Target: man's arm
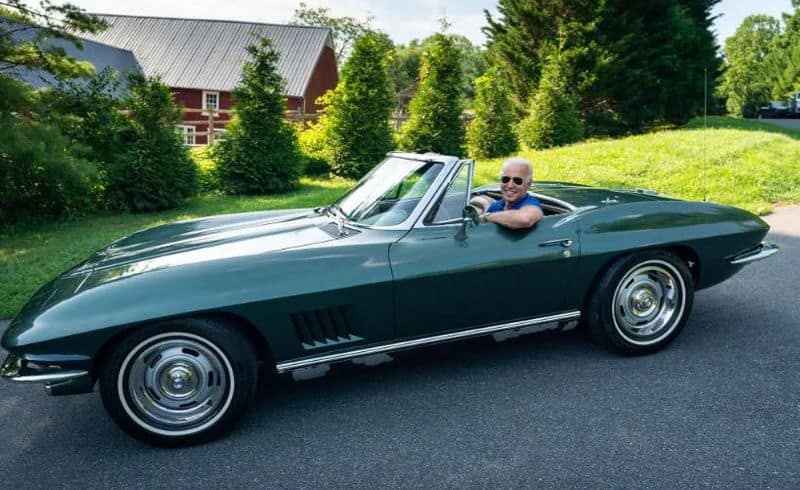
column 524, row 217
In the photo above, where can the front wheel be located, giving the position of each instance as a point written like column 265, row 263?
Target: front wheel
column 179, row 383
column 641, row 303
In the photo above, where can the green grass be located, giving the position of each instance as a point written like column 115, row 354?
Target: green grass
column 742, row 163
column 748, row 164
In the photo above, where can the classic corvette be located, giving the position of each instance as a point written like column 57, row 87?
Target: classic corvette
column 175, row 324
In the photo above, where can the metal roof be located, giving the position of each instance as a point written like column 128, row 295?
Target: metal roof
column 100, row 55
column 207, row 54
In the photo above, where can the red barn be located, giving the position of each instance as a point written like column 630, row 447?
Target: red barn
column 200, row 60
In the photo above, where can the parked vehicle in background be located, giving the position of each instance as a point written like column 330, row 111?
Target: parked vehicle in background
column 777, row 109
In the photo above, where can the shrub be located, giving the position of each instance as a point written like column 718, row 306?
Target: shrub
column 313, row 141
column 259, row 153
column 553, row 119
column 39, row 178
column 156, row 173
column 491, row 133
column 357, row 115
column 434, row 122
column 206, row 169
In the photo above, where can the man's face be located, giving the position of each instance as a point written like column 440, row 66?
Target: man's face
column 513, row 192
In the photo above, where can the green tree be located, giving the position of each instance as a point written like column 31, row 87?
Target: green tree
column 553, row 119
column 435, row 111
column 48, row 22
column 491, row 133
column 746, row 83
column 357, row 115
column 39, row 177
column 344, row 30
column 157, row 172
column 632, row 64
column 260, row 153
column 406, row 61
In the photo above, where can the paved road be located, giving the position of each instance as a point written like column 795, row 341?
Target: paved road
column 786, row 123
column 719, row 408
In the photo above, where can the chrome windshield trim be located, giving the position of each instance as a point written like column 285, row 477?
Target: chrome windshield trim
column 453, row 173
column 441, row 180
column 766, row 249
column 284, row 367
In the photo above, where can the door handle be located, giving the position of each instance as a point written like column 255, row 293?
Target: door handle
column 564, row 242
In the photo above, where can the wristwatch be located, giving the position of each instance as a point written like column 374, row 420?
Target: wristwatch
column 486, row 216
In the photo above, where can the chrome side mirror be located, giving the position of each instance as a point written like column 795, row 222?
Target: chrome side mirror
column 469, row 217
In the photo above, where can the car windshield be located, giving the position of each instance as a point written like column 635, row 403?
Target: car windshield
column 389, row 194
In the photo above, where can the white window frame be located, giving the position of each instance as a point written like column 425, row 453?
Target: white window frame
column 188, row 131
column 205, row 106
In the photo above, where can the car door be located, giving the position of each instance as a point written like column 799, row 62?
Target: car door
column 446, row 280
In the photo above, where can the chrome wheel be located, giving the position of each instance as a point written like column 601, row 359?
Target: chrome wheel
column 175, row 383
column 649, row 302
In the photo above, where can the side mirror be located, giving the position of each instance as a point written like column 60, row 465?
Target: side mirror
column 469, row 218
column 470, row 215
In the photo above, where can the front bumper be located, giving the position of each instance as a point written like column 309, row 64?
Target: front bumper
column 57, row 379
column 762, row 251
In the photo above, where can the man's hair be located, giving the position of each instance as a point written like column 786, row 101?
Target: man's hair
column 520, row 161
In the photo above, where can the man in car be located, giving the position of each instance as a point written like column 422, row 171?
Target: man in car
column 516, row 209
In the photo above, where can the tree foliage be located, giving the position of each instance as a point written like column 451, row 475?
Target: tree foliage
column 434, row 122
column 157, row 172
column 259, row 153
column 345, row 30
column 46, row 23
column 39, row 177
column 633, row 64
column 491, row 133
column 746, row 83
column 407, row 59
column 357, row 116
column 553, row 119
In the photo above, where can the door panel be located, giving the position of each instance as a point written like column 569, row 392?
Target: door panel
column 495, row 275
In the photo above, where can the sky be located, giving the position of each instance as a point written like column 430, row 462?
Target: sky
column 403, row 20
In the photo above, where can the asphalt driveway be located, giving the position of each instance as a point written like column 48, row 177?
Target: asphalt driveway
column 786, row 123
column 718, row 408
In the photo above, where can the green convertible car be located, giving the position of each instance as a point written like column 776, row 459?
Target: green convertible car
column 175, row 323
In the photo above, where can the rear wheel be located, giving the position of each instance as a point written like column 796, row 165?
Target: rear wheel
column 642, row 302
column 180, row 382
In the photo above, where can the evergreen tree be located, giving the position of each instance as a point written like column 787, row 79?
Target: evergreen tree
column 435, row 111
column 157, row 173
column 259, row 153
column 553, row 119
column 632, row 63
column 357, row 116
column 491, row 133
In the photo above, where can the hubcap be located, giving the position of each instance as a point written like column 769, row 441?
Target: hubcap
column 176, row 385
column 649, row 302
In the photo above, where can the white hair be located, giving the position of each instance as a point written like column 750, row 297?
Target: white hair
column 520, row 161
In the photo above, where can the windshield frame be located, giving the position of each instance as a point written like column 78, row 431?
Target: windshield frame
column 442, row 179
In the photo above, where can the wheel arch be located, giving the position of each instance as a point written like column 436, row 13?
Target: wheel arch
column 686, row 253
column 262, row 348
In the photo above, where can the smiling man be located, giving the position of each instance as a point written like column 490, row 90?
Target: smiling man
column 517, row 209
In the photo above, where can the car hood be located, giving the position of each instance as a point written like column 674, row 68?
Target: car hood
column 211, row 238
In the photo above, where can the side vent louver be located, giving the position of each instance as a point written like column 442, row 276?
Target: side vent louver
column 322, row 328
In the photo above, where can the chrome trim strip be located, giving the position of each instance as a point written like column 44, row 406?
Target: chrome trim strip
column 284, row 367
column 767, row 250
column 48, row 378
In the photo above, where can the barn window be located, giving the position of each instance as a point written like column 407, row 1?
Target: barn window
column 187, row 132
column 210, row 101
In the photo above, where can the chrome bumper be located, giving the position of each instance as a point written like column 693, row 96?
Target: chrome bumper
column 57, row 380
column 764, row 250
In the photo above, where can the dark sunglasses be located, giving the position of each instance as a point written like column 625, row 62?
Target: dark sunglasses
column 505, row 178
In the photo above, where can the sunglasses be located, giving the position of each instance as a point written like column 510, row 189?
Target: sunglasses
column 505, row 178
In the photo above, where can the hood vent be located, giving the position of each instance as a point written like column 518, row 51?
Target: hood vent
column 323, row 328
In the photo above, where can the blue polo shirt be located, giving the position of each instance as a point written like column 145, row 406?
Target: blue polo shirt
column 525, row 201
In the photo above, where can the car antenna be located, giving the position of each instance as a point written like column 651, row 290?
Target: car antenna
column 705, row 130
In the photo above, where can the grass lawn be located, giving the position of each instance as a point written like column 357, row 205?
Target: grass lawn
column 748, row 164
